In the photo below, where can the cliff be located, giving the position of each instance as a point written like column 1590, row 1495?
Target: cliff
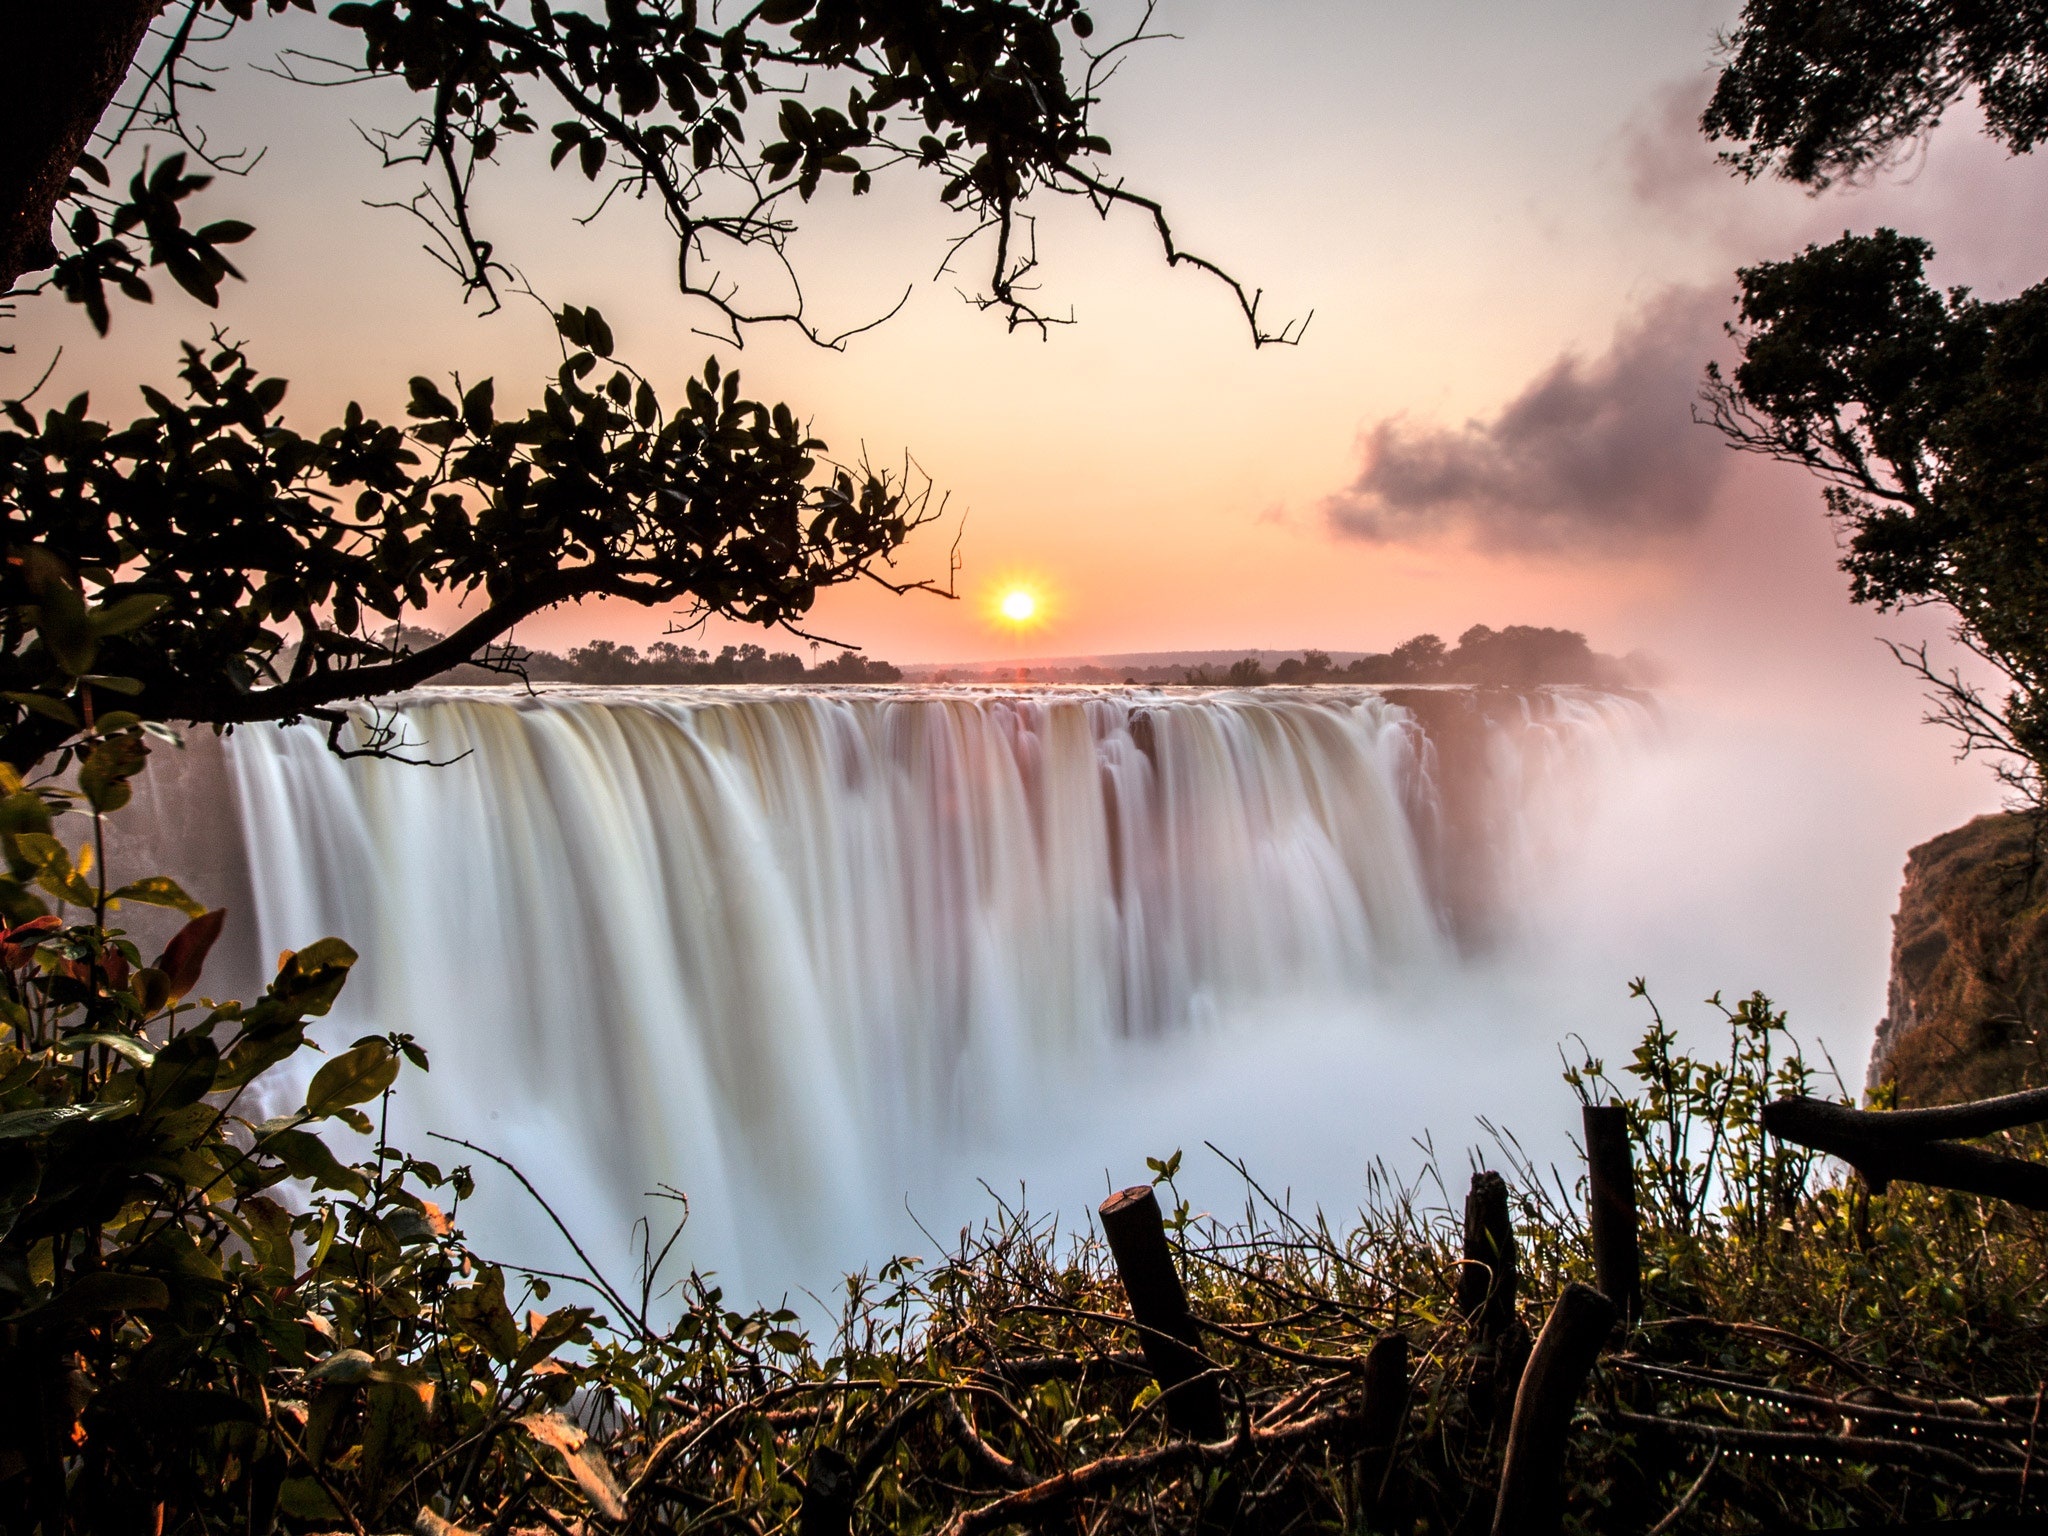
column 1968, row 1000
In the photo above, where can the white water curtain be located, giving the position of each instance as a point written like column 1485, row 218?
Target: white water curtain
column 775, row 946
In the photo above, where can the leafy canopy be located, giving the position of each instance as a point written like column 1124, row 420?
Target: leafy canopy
column 1926, row 416
column 255, row 569
column 1820, row 89
column 247, row 537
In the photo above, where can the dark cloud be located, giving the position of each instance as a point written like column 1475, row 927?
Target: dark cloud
column 1602, row 453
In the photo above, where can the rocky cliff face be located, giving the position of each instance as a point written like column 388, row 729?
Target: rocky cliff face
column 1968, row 1003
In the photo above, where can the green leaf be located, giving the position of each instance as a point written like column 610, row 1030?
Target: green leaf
column 43, row 704
column 128, row 685
column 224, row 232
column 52, row 864
column 60, row 615
column 306, row 1156
column 310, row 979
column 41, row 1122
column 124, row 614
column 120, row 1045
column 103, row 778
column 353, row 1076
column 302, row 1497
column 106, row 1290
column 163, row 891
column 184, row 1071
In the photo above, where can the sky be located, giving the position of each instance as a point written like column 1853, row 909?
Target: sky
column 1515, row 249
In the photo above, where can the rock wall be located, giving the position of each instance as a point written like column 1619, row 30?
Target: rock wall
column 1968, row 1000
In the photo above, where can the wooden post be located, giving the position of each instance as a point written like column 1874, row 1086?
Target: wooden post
column 1531, row 1497
column 1380, row 1418
column 829, row 1493
column 1486, row 1282
column 1136, row 1230
column 1611, row 1208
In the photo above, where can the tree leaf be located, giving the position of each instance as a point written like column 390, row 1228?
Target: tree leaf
column 310, row 979
column 185, row 956
column 162, row 891
column 184, row 1071
column 103, row 778
column 106, row 1290
column 353, row 1076
column 124, row 614
column 306, row 1156
column 41, row 1122
column 121, row 1045
column 43, row 704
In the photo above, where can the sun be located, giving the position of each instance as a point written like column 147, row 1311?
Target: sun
column 1018, row 605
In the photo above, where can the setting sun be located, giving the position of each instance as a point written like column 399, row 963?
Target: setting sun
column 1018, row 605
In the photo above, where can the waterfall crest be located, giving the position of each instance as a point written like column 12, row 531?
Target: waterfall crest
column 774, row 946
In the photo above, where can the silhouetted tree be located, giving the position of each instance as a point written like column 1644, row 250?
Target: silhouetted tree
column 1420, row 659
column 1818, row 89
column 1925, row 414
column 180, row 560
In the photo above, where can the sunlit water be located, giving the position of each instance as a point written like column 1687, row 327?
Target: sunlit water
column 824, row 958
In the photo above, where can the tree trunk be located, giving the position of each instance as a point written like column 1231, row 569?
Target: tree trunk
column 60, row 63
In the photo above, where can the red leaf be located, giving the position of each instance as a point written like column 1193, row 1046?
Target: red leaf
column 185, row 956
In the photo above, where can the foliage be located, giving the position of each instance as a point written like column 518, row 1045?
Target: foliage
column 722, row 124
column 1520, row 656
column 605, row 661
column 1819, row 89
column 241, row 531
column 255, row 539
column 1704, row 1162
column 1926, row 416
column 1921, row 412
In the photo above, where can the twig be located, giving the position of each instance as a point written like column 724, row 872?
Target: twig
column 1691, row 1493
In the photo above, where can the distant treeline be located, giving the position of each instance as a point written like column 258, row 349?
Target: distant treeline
column 1520, row 656
column 606, row 662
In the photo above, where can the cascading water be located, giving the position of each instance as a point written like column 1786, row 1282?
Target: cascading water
column 782, row 947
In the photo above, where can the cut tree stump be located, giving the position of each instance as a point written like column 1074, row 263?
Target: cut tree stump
column 1167, row 1332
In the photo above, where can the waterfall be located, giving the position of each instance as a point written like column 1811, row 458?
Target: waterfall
column 778, row 946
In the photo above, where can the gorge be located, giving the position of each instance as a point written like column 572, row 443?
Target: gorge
column 784, row 948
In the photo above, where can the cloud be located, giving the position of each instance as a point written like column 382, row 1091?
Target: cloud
column 1670, row 164
column 1601, row 454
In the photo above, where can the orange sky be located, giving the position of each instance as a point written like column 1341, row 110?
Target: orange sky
column 1463, row 196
